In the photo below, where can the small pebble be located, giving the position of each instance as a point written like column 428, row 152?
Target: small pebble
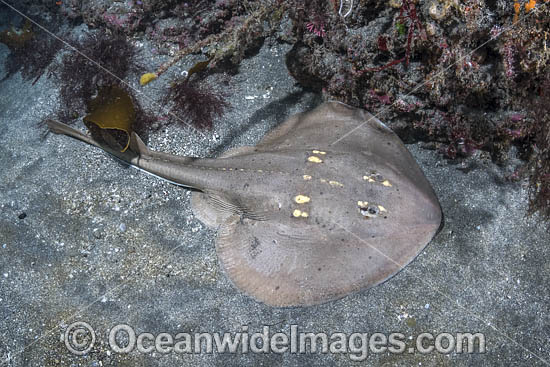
column 22, row 215
column 96, row 233
column 122, row 227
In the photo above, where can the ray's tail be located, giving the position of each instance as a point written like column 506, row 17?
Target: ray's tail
column 175, row 169
column 137, row 146
column 57, row 127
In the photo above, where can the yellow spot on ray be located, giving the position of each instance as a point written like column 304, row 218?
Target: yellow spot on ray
column 319, row 152
column 307, row 177
column 298, row 213
column 314, row 159
column 382, row 209
column 302, row 199
column 378, row 179
column 335, row 183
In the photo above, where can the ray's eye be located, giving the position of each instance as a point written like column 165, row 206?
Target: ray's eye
column 370, row 211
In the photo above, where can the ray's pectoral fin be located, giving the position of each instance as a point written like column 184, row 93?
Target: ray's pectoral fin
column 297, row 265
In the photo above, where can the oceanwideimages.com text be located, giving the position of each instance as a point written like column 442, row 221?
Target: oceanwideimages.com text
column 79, row 338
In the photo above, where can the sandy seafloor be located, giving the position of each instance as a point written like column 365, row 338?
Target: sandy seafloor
column 107, row 245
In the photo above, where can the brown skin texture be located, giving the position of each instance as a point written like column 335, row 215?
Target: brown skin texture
column 311, row 213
